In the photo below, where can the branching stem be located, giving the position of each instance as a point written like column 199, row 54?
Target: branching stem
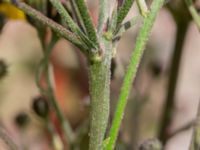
column 193, row 12
column 132, row 70
column 99, row 76
column 53, row 25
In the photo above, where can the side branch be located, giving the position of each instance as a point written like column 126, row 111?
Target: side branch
column 132, row 70
column 193, row 12
column 87, row 21
column 71, row 24
column 53, row 25
column 123, row 11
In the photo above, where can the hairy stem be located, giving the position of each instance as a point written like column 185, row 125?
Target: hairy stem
column 71, row 24
column 99, row 77
column 132, row 70
column 77, row 16
column 87, row 20
column 123, row 11
column 142, row 7
column 53, row 25
column 103, row 15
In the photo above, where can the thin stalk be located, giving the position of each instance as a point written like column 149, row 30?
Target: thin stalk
column 168, row 110
column 112, row 26
column 99, row 79
column 185, row 127
column 103, row 15
column 44, row 67
column 53, row 25
column 193, row 12
column 142, row 7
column 132, row 70
column 123, row 11
column 57, row 143
column 87, row 21
column 195, row 142
column 77, row 15
column 71, row 24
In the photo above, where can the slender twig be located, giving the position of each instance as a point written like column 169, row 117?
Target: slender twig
column 112, row 26
column 87, row 21
column 103, row 15
column 53, row 25
column 77, row 15
column 57, row 143
column 44, row 67
column 193, row 12
column 168, row 110
column 142, row 7
column 195, row 142
column 181, row 129
column 123, row 11
column 71, row 24
column 8, row 141
column 132, row 70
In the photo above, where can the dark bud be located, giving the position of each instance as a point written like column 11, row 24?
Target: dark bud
column 21, row 120
column 3, row 68
column 155, row 68
column 40, row 106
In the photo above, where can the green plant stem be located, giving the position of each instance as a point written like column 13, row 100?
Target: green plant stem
column 103, row 16
column 132, row 70
column 44, row 67
column 71, row 24
column 123, row 11
column 84, row 12
column 53, row 25
column 77, row 15
column 65, row 16
column 142, row 7
column 55, row 138
column 168, row 108
column 195, row 142
column 193, row 12
column 99, row 79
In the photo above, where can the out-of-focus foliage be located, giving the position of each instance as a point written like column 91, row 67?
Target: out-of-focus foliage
column 11, row 11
